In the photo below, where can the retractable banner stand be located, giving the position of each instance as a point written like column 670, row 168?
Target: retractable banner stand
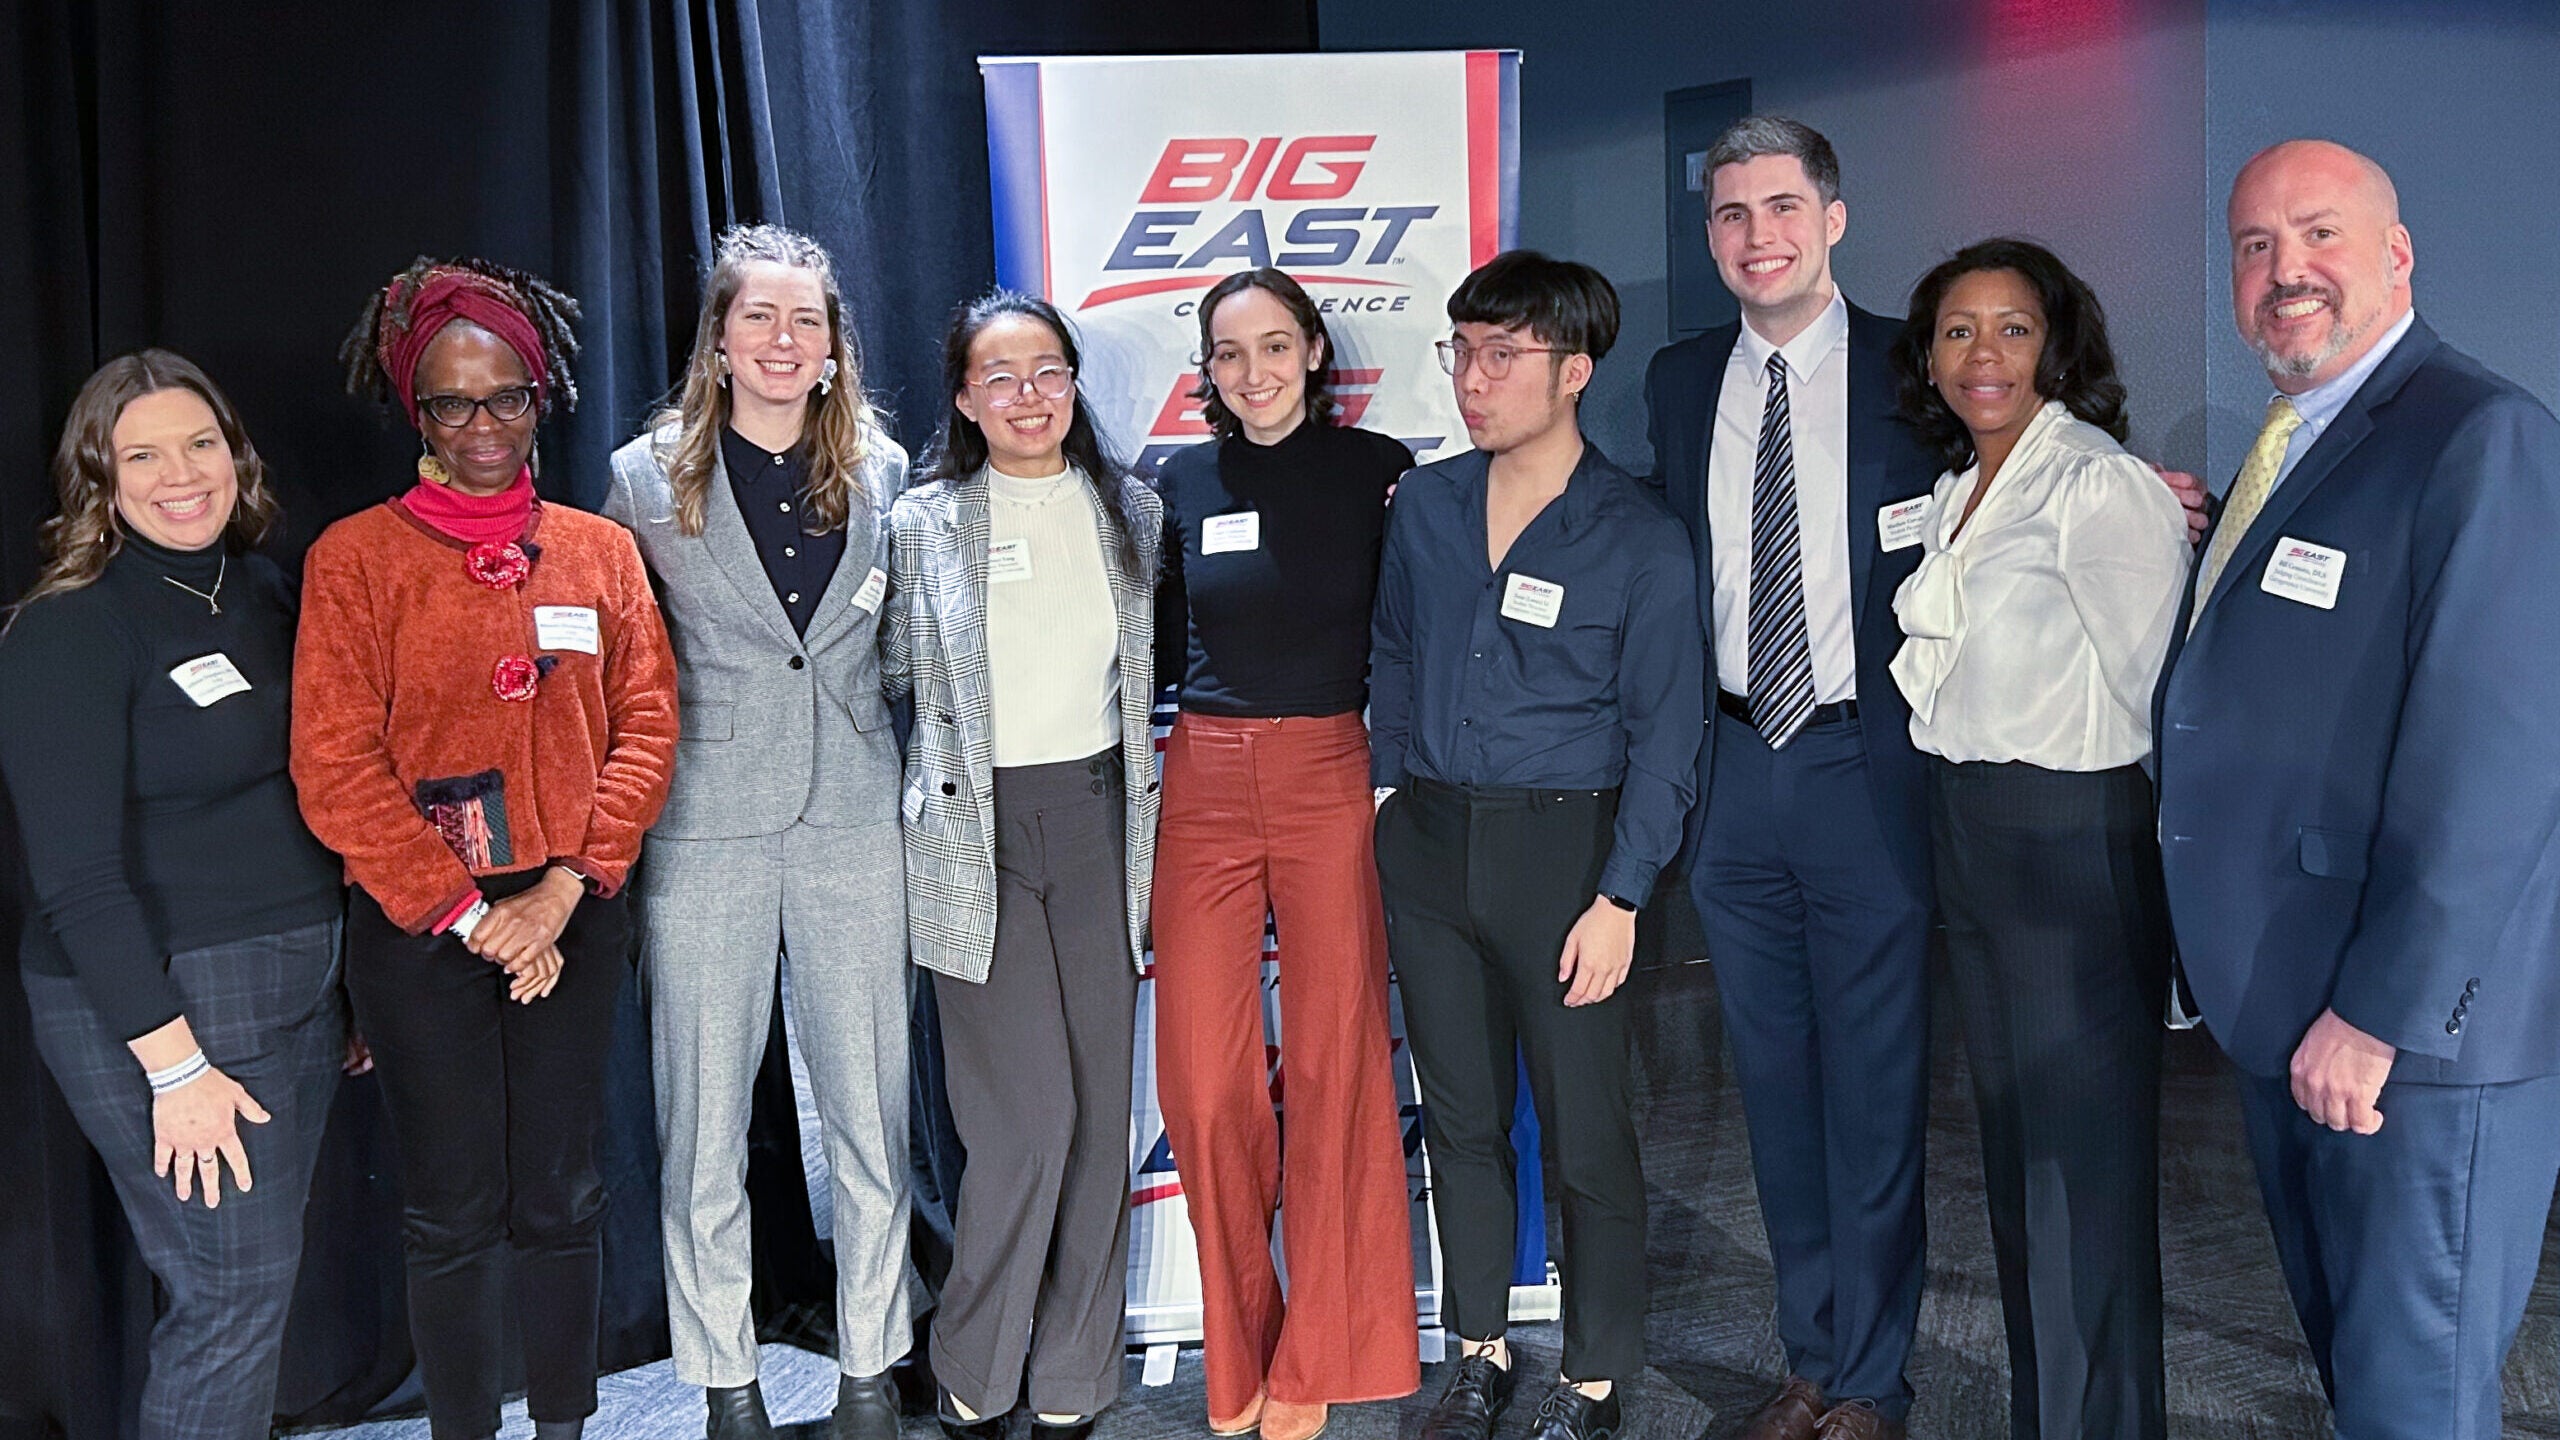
column 1124, row 188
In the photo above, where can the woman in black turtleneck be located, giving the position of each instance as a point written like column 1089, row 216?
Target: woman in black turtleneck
column 1272, row 537
column 181, row 956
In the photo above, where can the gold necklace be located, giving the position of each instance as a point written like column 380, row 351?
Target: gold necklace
column 209, row 597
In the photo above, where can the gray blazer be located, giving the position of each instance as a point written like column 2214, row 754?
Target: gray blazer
column 933, row 643
column 774, row 728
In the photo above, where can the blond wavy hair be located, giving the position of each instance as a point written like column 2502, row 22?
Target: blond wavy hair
column 841, row 420
column 86, row 532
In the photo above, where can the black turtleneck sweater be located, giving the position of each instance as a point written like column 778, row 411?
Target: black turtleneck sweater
column 153, row 824
column 1281, row 628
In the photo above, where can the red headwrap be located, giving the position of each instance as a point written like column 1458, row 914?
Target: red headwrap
column 440, row 297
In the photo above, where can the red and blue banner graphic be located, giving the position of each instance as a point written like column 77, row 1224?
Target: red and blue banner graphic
column 1125, row 188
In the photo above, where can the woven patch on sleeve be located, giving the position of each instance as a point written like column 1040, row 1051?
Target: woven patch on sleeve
column 470, row 812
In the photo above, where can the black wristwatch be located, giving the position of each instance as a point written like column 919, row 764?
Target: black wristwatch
column 1621, row 902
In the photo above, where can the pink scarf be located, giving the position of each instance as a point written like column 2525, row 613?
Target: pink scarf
column 474, row 519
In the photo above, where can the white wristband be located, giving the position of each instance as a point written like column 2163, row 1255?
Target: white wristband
column 469, row 920
column 185, row 1071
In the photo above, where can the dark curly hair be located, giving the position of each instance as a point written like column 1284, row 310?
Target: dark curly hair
column 548, row 307
column 1293, row 298
column 2077, row 366
column 959, row 451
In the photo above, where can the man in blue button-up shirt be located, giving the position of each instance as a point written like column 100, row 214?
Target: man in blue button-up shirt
column 1536, row 704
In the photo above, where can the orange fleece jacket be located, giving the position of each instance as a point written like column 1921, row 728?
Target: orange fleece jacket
column 395, row 716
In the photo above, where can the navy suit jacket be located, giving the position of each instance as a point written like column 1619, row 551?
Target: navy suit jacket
column 1887, row 464
column 2358, row 803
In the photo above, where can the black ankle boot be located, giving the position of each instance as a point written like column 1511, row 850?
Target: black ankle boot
column 866, row 1409
column 737, row 1413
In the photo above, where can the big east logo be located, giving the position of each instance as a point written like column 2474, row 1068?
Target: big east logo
column 1204, row 176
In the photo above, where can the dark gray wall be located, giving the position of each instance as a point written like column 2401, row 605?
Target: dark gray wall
column 2456, row 101
column 1954, row 121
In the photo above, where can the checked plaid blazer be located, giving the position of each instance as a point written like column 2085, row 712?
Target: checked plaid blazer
column 933, row 645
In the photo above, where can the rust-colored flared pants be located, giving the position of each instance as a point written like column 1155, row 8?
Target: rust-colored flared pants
column 1276, row 813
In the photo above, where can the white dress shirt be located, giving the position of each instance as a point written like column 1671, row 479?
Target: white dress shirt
column 2037, row 633
column 1818, row 422
column 1053, row 638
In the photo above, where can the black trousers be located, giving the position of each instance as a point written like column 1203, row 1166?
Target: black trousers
column 1481, row 888
column 494, row 1107
column 267, row 1012
column 2057, row 942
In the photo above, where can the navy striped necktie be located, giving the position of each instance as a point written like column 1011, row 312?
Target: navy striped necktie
column 1781, row 654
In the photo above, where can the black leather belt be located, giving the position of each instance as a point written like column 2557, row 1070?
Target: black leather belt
column 1831, row 714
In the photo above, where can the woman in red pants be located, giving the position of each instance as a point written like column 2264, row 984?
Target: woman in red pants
column 1272, row 538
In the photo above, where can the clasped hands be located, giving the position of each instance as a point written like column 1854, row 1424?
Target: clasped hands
column 521, row 934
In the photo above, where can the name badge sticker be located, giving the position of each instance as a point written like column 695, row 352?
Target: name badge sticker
column 1900, row 525
column 1220, row 534
column 565, row 627
column 2304, row 572
column 1532, row 601
column 209, row 678
column 874, row 585
column 1008, row 561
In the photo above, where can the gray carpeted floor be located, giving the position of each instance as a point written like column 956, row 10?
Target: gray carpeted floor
column 2237, row 1369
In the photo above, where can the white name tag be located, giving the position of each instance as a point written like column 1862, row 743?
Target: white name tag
column 1008, row 560
column 2300, row 570
column 210, row 678
column 564, row 627
column 1533, row 602
column 1900, row 525
column 1222, row 533
column 874, row 585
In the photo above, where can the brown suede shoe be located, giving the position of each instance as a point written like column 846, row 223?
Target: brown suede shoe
column 1289, row 1420
column 1856, row 1420
column 1790, row 1414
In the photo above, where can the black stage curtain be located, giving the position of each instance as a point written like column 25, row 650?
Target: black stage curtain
column 230, row 181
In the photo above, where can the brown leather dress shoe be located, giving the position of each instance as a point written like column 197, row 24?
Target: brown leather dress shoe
column 1856, row 1420
column 1791, row 1414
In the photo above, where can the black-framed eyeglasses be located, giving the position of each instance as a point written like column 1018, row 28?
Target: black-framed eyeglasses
column 1491, row 361
column 455, row 411
column 1005, row 390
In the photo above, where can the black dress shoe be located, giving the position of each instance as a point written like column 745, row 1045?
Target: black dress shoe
column 1072, row 1430
column 1475, row 1397
column 990, row 1427
column 737, row 1413
column 1568, row 1414
column 866, row 1409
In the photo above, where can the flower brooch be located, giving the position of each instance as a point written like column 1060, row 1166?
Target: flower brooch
column 502, row 565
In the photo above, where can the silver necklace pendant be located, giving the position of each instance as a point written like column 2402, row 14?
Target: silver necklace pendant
column 211, row 598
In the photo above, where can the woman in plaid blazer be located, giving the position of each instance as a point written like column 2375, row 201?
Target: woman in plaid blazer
column 1021, row 618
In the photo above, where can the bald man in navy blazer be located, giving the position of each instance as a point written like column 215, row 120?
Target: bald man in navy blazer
column 2359, row 751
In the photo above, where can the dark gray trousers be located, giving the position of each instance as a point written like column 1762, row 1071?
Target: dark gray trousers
column 1037, row 1062
column 268, row 1013
column 2057, row 943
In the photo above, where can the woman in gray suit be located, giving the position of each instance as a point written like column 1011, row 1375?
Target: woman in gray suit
column 1021, row 618
column 758, row 503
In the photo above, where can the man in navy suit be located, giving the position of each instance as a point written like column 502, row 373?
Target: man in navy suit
column 2359, row 749
column 1811, row 840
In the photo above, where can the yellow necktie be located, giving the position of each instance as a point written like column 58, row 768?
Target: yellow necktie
column 2256, row 481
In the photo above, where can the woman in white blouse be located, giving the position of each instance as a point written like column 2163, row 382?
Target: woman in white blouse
column 2036, row 624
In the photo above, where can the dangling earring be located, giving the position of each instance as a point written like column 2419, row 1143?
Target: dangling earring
column 430, row 469
column 720, row 361
column 827, row 376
